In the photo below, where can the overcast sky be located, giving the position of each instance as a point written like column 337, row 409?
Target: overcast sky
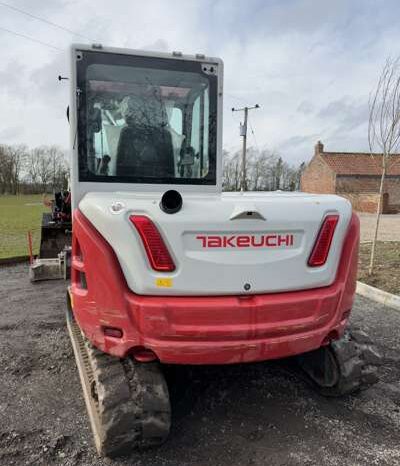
column 309, row 64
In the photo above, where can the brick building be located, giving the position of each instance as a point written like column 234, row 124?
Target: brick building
column 355, row 176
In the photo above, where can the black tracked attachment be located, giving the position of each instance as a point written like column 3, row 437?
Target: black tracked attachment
column 127, row 402
column 344, row 366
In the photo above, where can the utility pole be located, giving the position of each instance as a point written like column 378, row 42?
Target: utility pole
column 243, row 133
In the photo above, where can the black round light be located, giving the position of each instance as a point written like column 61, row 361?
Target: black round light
column 171, row 202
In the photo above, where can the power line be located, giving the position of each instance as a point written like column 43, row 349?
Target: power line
column 254, row 135
column 38, row 18
column 30, row 38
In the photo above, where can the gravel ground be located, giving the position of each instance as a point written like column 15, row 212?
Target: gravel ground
column 253, row 414
column 389, row 227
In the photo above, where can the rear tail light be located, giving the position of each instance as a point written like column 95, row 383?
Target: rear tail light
column 320, row 251
column 156, row 250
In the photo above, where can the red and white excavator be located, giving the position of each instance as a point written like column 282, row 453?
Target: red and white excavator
column 168, row 269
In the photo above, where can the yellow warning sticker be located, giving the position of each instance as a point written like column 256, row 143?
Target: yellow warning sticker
column 164, row 282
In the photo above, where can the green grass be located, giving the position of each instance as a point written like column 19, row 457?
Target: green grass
column 386, row 274
column 18, row 215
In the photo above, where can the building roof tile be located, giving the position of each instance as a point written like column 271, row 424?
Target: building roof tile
column 346, row 163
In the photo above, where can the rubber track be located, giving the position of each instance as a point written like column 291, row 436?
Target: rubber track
column 357, row 360
column 128, row 402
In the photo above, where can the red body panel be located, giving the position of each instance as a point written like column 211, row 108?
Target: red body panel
column 204, row 330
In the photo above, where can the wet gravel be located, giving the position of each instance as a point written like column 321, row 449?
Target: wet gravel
column 252, row 414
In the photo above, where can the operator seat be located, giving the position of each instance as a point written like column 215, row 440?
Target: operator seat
column 145, row 144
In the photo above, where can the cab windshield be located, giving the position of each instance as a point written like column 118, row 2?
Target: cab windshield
column 145, row 120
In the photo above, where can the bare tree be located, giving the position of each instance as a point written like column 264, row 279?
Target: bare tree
column 18, row 154
column 231, row 173
column 4, row 170
column 48, row 168
column 40, row 167
column 266, row 171
column 12, row 163
column 259, row 170
column 384, row 128
column 59, row 168
column 37, row 170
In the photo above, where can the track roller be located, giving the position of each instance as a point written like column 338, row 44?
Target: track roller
column 127, row 402
column 344, row 366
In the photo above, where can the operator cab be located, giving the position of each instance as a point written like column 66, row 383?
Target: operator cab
column 144, row 119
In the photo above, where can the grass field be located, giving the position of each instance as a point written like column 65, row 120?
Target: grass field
column 386, row 274
column 18, row 215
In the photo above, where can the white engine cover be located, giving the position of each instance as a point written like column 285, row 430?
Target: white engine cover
column 218, row 246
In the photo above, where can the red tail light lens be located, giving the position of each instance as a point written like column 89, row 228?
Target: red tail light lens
column 157, row 253
column 322, row 245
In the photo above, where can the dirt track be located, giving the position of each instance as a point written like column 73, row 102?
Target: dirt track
column 240, row 415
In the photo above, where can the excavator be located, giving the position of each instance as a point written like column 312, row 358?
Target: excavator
column 167, row 269
column 53, row 260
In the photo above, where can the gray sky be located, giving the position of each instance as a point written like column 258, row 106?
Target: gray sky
column 310, row 64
